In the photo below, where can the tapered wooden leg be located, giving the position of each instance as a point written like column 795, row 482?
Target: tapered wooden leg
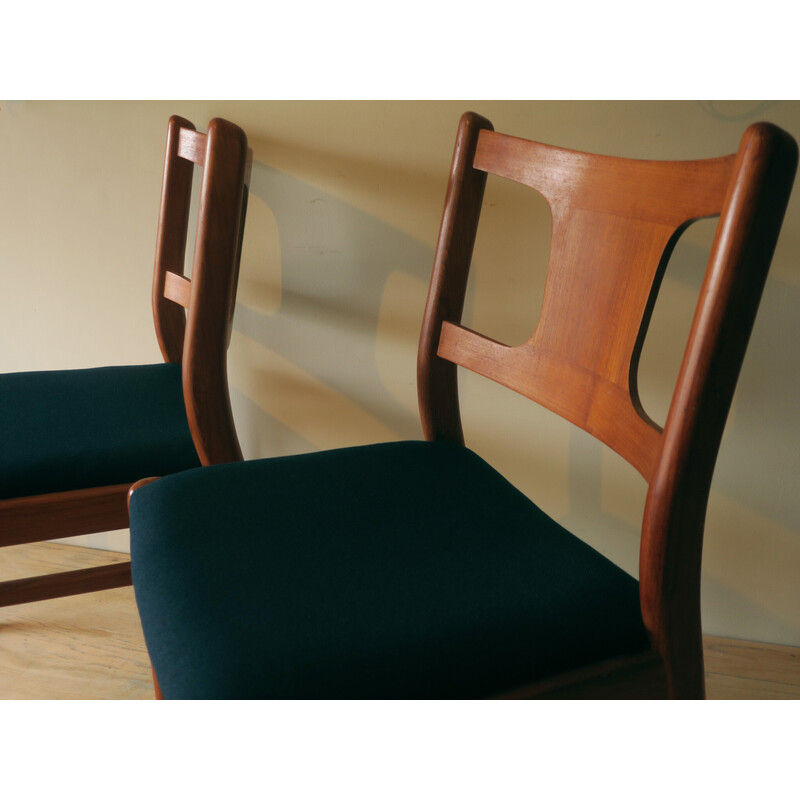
column 157, row 688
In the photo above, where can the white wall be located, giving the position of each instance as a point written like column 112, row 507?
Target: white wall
column 344, row 211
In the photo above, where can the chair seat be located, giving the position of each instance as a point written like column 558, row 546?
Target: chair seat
column 75, row 429
column 267, row 579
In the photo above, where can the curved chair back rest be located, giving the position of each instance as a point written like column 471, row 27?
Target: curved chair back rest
column 615, row 222
column 193, row 317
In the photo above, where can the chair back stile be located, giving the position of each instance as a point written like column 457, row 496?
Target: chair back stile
column 757, row 194
column 199, row 337
column 437, row 379
column 209, row 318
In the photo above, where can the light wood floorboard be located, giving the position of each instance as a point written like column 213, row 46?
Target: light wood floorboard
column 86, row 647
column 91, row 646
column 750, row 670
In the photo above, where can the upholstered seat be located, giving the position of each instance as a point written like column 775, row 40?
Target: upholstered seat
column 382, row 571
column 73, row 429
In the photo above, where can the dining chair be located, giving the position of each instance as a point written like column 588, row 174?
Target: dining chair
column 414, row 569
column 73, row 441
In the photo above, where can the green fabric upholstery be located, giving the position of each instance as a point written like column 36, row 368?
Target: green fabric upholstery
column 400, row 570
column 76, row 429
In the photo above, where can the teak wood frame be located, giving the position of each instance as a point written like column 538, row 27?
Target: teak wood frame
column 193, row 324
column 615, row 223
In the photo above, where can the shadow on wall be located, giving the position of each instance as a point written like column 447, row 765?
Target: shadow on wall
column 324, row 355
column 308, row 321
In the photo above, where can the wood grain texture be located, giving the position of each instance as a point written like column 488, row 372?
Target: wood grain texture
column 178, row 289
column 65, row 584
column 62, row 514
column 192, row 145
column 615, row 222
column 588, row 399
column 738, row 669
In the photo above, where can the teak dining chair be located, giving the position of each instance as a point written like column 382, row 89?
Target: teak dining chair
column 414, row 569
column 73, row 441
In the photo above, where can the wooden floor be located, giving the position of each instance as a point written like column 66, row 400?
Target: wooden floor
column 85, row 647
column 91, row 646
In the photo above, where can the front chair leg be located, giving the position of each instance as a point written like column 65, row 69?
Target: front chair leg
column 156, row 687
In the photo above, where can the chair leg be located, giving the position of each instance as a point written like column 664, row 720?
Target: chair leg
column 64, row 584
column 156, row 687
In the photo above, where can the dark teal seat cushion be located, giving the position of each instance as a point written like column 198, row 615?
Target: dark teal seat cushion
column 75, row 429
column 401, row 570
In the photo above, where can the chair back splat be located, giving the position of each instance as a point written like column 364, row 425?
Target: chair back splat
column 615, row 222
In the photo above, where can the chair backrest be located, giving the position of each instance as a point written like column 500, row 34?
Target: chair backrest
column 193, row 317
column 615, row 222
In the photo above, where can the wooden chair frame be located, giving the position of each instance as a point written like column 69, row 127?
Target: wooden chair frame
column 615, row 223
column 193, row 324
